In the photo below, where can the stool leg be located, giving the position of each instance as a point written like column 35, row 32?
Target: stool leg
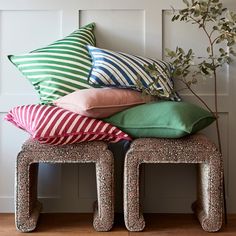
column 134, row 219
column 104, row 207
column 27, row 208
column 209, row 206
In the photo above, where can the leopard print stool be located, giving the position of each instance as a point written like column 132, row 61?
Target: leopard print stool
column 28, row 208
column 196, row 149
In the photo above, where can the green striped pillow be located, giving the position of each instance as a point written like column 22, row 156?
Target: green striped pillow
column 60, row 68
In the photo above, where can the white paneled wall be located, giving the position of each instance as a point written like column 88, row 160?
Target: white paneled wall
column 133, row 26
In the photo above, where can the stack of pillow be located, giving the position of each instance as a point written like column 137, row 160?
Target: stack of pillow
column 88, row 93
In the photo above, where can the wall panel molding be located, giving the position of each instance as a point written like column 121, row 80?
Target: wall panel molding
column 134, row 26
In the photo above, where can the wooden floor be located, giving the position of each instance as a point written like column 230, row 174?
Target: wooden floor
column 81, row 224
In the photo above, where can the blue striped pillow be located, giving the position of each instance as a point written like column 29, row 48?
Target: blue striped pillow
column 116, row 69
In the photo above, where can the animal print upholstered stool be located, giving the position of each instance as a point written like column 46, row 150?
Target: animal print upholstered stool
column 192, row 149
column 26, row 203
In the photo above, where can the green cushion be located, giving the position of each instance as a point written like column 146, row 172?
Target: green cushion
column 162, row 119
column 60, row 68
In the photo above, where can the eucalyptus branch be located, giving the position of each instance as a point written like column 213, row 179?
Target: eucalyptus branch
column 205, row 14
column 219, row 25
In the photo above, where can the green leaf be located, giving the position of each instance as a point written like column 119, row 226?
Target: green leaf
column 204, row 71
column 181, row 50
column 221, row 50
column 209, row 65
column 233, row 53
column 194, row 80
column 186, row 3
column 190, row 52
column 220, row 59
column 197, row 13
column 219, row 40
column 177, row 17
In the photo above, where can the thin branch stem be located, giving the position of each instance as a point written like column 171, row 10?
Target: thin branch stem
column 202, row 24
column 209, row 37
column 194, row 20
column 199, row 98
column 212, row 32
column 215, row 39
column 216, row 112
column 208, row 5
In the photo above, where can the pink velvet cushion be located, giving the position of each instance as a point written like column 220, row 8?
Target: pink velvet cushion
column 101, row 102
column 57, row 126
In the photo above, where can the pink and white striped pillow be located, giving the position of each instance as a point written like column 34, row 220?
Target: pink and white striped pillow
column 57, row 126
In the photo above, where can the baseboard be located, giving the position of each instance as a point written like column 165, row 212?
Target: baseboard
column 85, row 205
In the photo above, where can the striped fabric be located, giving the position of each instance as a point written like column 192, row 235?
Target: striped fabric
column 60, row 68
column 123, row 70
column 57, row 126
